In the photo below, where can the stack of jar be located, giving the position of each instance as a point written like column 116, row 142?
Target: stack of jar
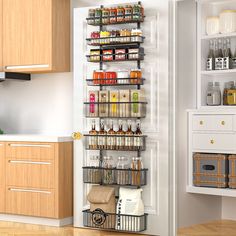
column 123, row 173
column 119, row 14
column 133, row 76
column 214, row 94
column 119, row 54
column 116, row 36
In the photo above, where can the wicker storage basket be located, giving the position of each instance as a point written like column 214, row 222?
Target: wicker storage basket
column 210, row 170
column 232, row 171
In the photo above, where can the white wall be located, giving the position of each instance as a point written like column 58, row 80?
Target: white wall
column 192, row 208
column 228, row 208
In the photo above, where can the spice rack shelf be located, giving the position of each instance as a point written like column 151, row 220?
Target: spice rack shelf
column 128, row 57
column 136, row 142
column 116, row 41
column 115, row 109
column 115, row 82
column 101, row 19
column 112, row 221
column 114, row 176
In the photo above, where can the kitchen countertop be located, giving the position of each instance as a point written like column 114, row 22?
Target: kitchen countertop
column 34, row 138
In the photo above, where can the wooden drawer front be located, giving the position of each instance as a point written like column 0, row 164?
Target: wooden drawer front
column 213, row 122
column 2, row 199
column 2, row 165
column 31, row 202
column 40, row 151
column 214, row 142
column 34, row 174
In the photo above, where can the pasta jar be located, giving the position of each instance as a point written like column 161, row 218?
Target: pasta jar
column 123, row 171
column 108, row 170
column 122, row 76
column 136, row 76
column 228, row 21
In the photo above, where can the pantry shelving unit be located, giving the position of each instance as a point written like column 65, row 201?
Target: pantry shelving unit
column 122, row 177
column 211, row 8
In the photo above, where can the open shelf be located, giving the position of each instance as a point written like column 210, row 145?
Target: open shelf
column 218, row 36
column 114, row 176
column 219, row 72
column 224, row 192
column 112, row 221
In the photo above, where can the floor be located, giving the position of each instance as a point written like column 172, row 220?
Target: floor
column 216, row 228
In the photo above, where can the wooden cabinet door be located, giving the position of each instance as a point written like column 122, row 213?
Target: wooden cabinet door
column 2, row 177
column 1, row 36
column 27, row 32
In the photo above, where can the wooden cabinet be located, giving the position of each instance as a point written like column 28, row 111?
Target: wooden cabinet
column 2, row 177
column 38, row 179
column 36, row 35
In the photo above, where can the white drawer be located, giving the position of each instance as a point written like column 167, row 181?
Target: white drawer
column 213, row 122
column 219, row 142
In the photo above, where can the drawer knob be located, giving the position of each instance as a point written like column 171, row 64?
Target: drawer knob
column 212, row 141
column 76, row 135
column 223, row 122
column 201, row 122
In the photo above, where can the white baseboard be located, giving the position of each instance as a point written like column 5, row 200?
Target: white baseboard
column 36, row 220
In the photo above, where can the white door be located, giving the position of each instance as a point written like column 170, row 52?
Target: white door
column 155, row 125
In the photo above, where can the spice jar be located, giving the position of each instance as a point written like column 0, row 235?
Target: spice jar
column 137, row 12
column 112, row 37
column 91, row 16
column 105, row 16
column 94, row 174
column 98, row 16
column 124, row 34
column 105, row 37
column 120, row 54
column 94, row 55
column 136, row 76
column 113, row 13
column 128, row 13
column 108, row 170
column 136, row 166
column 107, row 55
column 110, row 77
column 95, row 37
column 120, row 14
column 122, row 76
column 136, row 35
column 98, row 77
column 122, row 171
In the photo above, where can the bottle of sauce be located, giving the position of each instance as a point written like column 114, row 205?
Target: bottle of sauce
column 93, row 136
column 129, row 137
column 102, row 136
column 111, row 139
column 120, row 140
column 138, row 140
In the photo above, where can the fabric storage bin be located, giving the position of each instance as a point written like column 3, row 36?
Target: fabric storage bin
column 210, row 170
column 232, row 171
column 102, row 200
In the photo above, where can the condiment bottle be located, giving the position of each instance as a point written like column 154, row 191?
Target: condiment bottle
column 216, row 94
column 93, row 136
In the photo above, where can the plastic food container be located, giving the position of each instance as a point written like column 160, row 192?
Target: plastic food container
column 212, row 25
column 228, row 21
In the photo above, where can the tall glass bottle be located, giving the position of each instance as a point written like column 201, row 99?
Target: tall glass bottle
column 93, row 136
column 129, row 139
column 227, row 64
column 138, row 141
column 111, row 139
column 218, row 55
column 102, row 136
column 120, row 140
column 211, row 57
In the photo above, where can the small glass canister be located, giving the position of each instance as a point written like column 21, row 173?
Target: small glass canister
column 108, row 176
column 227, row 21
column 212, row 25
column 122, row 171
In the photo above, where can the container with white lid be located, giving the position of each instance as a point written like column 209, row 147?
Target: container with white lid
column 212, row 25
column 228, row 21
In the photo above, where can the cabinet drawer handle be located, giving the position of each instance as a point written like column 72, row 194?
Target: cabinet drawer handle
column 30, row 145
column 27, row 67
column 222, row 122
column 29, row 190
column 31, row 162
column 201, row 122
column 212, row 141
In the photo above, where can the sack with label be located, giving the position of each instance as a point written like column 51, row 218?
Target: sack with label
column 129, row 206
